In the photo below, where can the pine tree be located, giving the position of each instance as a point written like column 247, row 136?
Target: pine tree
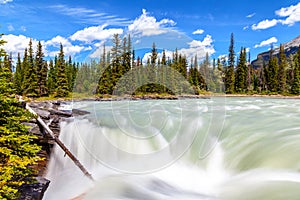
column 273, row 72
column 241, row 73
column 296, row 81
column 52, row 77
column 42, row 71
column 18, row 76
column 17, row 152
column 31, row 87
column 282, row 70
column 229, row 75
column 62, row 89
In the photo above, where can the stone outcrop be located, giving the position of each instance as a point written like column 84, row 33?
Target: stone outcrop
column 289, row 48
column 50, row 113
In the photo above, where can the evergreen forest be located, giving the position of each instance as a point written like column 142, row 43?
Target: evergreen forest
column 120, row 72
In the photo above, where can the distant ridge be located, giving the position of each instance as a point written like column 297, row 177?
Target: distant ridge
column 289, row 47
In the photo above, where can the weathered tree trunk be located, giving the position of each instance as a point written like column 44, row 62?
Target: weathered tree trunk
column 60, row 143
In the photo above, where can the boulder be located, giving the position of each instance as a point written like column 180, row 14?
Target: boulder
column 34, row 191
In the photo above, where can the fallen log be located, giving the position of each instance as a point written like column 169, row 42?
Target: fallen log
column 60, row 143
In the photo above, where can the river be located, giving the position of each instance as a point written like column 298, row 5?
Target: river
column 218, row 148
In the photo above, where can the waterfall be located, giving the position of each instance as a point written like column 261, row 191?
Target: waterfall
column 176, row 152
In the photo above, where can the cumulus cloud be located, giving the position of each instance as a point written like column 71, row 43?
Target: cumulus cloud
column 93, row 33
column 291, row 14
column 265, row 24
column 17, row 43
column 99, row 52
column 5, row 1
column 199, row 31
column 266, row 42
column 196, row 47
column 69, row 48
column 147, row 25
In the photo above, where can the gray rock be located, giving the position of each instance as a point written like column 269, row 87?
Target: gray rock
column 44, row 114
column 77, row 112
column 34, row 191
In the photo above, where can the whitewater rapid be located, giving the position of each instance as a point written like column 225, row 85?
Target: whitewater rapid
column 218, row 148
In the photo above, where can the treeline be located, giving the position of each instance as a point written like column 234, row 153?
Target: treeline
column 119, row 72
column 36, row 77
column 18, row 151
column 279, row 75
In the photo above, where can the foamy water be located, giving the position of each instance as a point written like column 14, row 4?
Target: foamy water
column 218, row 148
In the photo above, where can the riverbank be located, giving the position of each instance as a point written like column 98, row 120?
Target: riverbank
column 160, row 97
column 52, row 114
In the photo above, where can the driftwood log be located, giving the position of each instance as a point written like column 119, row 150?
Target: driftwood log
column 60, row 143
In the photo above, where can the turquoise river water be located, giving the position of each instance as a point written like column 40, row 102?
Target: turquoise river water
column 216, row 148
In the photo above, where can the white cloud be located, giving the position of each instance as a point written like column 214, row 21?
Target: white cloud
column 265, row 24
column 69, row 48
column 93, row 33
column 196, row 47
column 10, row 27
column 5, row 1
column 199, row 31
column 245, row 27
column 147, row 25
column 17, row 43
column 288, row 11
column 23, row 28
column 251, row 15
column 291, row 14
column 89, row 16
column 99, row 51
column 266, row 42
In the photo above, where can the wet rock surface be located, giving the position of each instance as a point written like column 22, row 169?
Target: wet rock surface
column 50, row 113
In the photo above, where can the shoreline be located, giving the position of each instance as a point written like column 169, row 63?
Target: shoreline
column 161, row 97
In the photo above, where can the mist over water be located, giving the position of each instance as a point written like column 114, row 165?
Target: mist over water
column 218, row 148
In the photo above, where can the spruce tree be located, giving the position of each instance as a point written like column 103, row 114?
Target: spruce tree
column 282, row 70
column 62, row 89
column 273, row 72
column 229, row 75
column 42, row 71
column 296, row 81
column 24, row 67
column 241, row 73
column 18, row 76
column 17, row 151
column 52, row 77
column 31, row 87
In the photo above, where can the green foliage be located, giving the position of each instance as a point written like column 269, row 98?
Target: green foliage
column 42, row 70
column 18, row 76
column 30, row 81
column 241, row 73
column 17, row 152
column 229, row 73
column 296, row 79
column 283, row 65
column 62, row 89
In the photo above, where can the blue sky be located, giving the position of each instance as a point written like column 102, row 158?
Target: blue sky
column 192, row 26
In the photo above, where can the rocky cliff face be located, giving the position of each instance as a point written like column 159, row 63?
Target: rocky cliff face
column 50, row 113
column 290, row 48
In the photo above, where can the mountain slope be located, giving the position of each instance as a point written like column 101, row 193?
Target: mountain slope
column 290, row 48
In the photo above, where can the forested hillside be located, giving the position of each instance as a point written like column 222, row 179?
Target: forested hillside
column 119, row 72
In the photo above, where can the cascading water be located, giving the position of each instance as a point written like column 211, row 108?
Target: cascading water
column 233, row 148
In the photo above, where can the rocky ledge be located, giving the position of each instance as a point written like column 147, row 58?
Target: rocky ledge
column 52, row 114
